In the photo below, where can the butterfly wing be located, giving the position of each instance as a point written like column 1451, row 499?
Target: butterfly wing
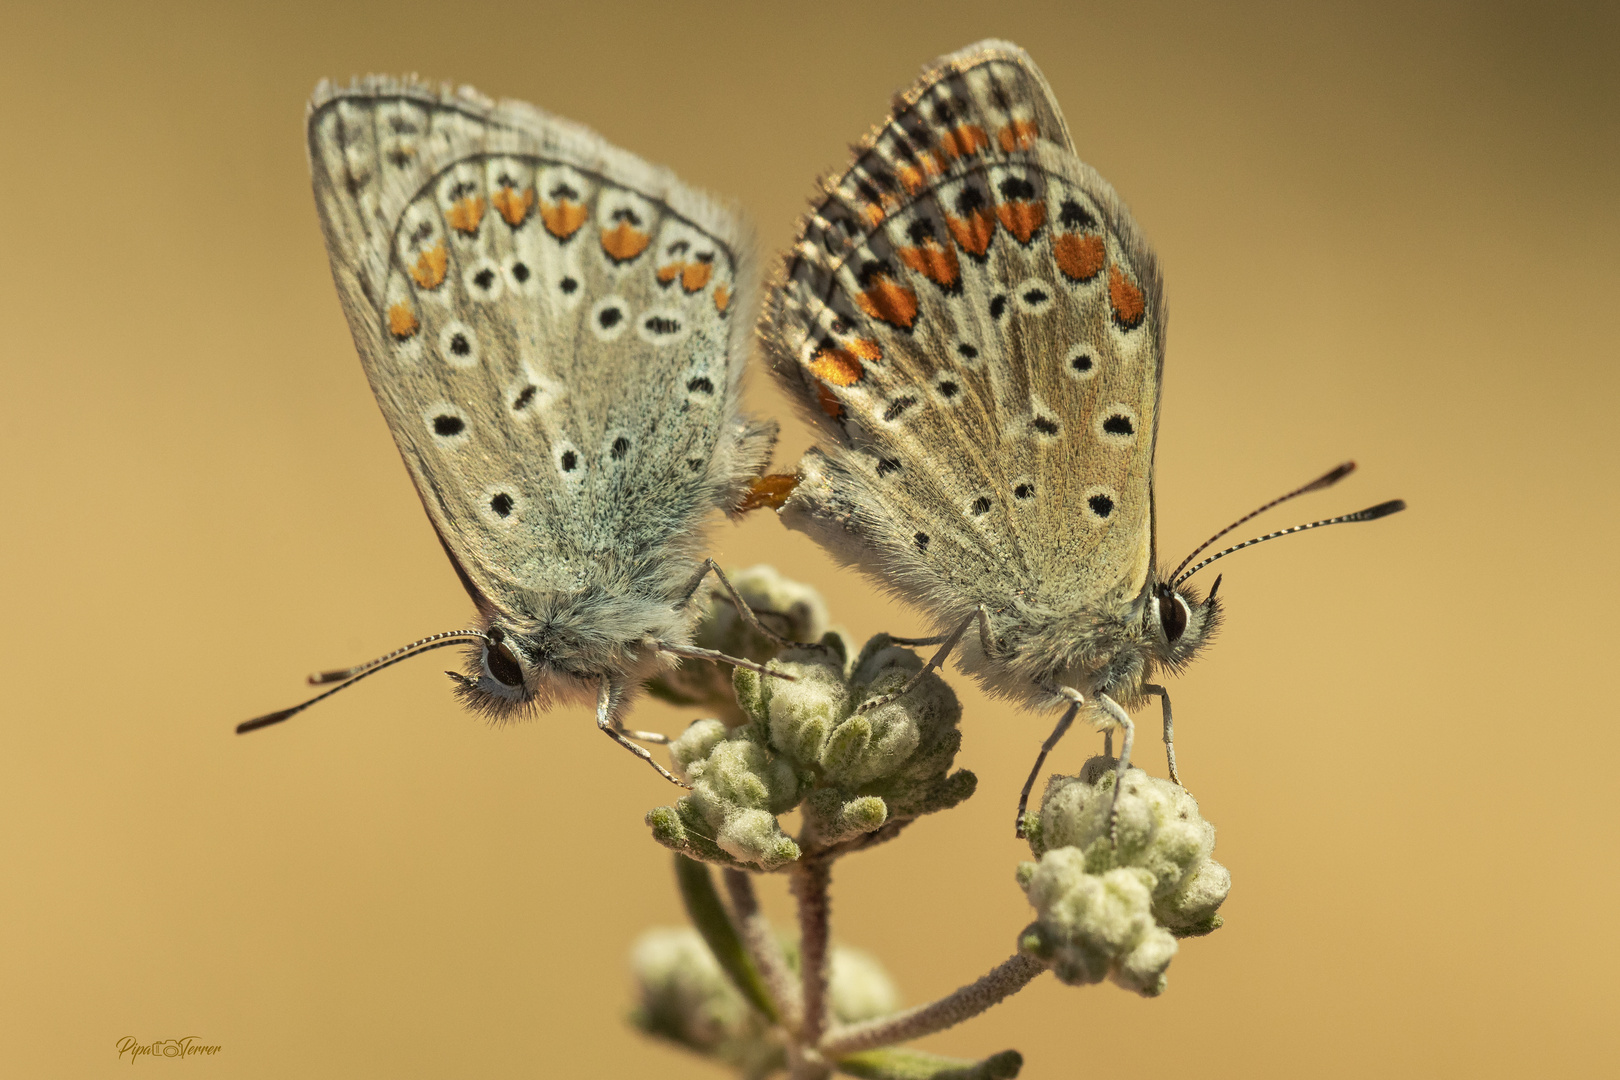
column 555, row 331
column 971, row 316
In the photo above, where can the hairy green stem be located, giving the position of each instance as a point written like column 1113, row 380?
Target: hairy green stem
column 760, row 941
column 968, row 1001
column 810, row 878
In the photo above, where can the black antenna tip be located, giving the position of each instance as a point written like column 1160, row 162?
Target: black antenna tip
column 264, row 721
column 1330, row 479
column 1373, row 513
column 321, row 678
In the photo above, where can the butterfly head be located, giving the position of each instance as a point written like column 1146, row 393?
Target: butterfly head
column 1180, row 623
column 499, row 680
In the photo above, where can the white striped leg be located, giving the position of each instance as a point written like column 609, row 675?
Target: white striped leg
column 607, row 720
column 936, row 660
column 1128, row 731
column 1169, row 730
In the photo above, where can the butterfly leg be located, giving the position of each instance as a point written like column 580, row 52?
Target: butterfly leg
column 1046, row 748
column 721, row 658
column 607, row 719
column 743, row 610
column 934, row 661
column 1128, row 733
column 1169, row 730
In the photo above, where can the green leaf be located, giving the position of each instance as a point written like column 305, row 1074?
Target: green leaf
column 896, row 1063
column 709, row 915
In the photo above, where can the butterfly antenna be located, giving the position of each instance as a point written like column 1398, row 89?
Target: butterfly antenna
column 347, row 677
column 1328, row 479
column 1372, row 513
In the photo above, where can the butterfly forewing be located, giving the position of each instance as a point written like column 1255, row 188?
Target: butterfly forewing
column 970, row 312
column 552, row 328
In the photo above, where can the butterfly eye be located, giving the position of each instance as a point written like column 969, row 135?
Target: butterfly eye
column 500, row 661
column 1173, row 617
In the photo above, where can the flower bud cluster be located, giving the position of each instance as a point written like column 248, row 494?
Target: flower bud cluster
column 1114, row 907
column 685, row 997
column 803, row 745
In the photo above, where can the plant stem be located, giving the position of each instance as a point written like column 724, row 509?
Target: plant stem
column 810, row 878
column 1005, row 979
column 763, row 948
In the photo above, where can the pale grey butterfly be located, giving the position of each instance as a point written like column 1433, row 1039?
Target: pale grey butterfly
column 556, row 332
column 971, row 316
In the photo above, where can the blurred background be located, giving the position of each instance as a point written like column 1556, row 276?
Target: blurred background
column 1390, row 232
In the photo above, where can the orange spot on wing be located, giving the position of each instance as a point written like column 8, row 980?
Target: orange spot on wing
column 1018, row 135
column 1126, row 299
column 965, row 140
column 873, row 213
column 839, row 367
column 464, row 215
column 696, row 275
column 938, row 264
column 624, row 242
column 893, row 303
column 1080, row 255
column 722, row 298
column 866, row 349
column 972, row 232
column 829, row 402
column 430, row 266
column 513, row 205
column 915, row 177
column 771, row 490
column 1021, row 218
column 563, row 219
column 402, row 321
column 669, row 272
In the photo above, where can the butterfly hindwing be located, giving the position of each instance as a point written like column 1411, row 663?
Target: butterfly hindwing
column 970, row 313
column 554, row 329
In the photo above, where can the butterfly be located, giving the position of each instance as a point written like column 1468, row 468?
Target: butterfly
column 971, row 317
column 556, row 332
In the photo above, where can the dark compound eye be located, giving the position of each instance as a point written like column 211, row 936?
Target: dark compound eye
column 500, row 661
column 1172, row 617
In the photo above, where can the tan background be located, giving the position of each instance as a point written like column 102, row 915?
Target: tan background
column 1388, row 234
